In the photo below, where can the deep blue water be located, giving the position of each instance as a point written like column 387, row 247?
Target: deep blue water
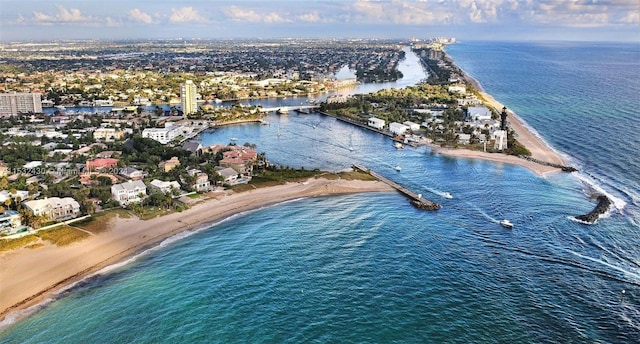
column 370, row 268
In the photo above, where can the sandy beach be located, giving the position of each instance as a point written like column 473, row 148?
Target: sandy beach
column 538, row 148
column 30, row 276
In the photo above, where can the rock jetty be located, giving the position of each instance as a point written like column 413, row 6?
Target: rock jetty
column 602, row 207
column 562, row 167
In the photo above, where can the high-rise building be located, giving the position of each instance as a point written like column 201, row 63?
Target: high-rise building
column 15, row 103
column 188, row 98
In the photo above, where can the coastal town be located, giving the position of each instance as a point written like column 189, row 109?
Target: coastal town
column 111, row 140
column 57, row 166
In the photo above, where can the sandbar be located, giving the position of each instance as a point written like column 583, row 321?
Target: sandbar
column 30, row 276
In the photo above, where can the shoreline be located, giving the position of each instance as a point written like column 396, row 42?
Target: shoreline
column 540, row 150
column 38, row 275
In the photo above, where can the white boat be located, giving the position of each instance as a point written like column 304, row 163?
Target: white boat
column 398, row 145
column 351, row 149
column 398, row 168
column 234, row 139
column 506, row 223
column 103, row 102
column 447, row 195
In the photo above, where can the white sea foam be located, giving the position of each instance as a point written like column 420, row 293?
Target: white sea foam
column 594, row 187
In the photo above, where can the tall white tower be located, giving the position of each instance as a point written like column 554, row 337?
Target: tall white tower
column 188, row 98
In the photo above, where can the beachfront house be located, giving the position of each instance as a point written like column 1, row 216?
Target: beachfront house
column 201, row 183
column 54, row 208
column 229, row 175
column 375, row 122
column 132, row 191
column 10, row 222
column 159, row 186
column 464, row 139
column 478, row 113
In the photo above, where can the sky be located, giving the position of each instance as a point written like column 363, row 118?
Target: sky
column 572, row 20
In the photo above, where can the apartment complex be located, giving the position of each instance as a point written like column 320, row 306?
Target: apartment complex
column 15, row 103
column 188, row 98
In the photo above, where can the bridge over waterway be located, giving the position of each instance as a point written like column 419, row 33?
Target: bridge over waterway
column 285, row 109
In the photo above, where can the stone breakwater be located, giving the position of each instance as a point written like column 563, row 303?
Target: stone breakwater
column 562, row 167
column 602, row 207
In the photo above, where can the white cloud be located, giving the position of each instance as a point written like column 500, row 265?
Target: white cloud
column 240, row 14
column 138, row 15
column 63, row 16
column 113, row 22
column 400, row 12
column 186, row 15
column 309, row 17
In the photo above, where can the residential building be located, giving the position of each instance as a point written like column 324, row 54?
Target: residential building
column 377, row 123
column 412, row 126
column 464, row 139
column 188, row 99
column 230, row 175
column 398, row 128
column 170, row 164
column 131, row 173
column 239, row 158
column 10, row 222
column 192, row 147
column 129, row 192
column 101, row 164
column 202, row 183
column 15, row 103
column 162, row 135
column 478, row 113
column 4, row 169
column 159, row 186
column 54, row 208
column 108, row 134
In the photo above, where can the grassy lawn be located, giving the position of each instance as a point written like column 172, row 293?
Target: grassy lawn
column 356, row 175
column 62, row 235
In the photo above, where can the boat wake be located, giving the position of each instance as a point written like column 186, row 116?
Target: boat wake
column 438, row 192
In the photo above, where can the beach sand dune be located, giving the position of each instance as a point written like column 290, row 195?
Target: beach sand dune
column 29, row 276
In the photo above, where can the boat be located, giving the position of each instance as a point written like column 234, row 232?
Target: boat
column 398, row 168
column 234, row 139
column 398, row 145
column 447, row 195
column 351, row 149
column 506, row 223
column 103, row 102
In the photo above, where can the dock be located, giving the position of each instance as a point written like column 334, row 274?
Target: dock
column 415, row 199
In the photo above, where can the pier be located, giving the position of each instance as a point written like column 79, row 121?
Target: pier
column 414, row 198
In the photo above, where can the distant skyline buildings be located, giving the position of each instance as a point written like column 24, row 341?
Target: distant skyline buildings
column 582, row 20
column 188, row 99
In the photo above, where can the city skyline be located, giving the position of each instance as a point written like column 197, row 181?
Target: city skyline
column 581, row 20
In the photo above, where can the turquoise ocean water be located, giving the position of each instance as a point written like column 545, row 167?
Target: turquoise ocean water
column 370, row 268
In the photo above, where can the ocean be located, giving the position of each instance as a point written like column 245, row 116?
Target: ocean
column 368, row 268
